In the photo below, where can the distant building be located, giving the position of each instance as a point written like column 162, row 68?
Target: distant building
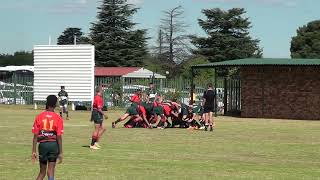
column 275, row 88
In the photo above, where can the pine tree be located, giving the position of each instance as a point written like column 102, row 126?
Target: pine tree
column 68, row 35
column 116, row 41
column 307, row 42
column 227, row 36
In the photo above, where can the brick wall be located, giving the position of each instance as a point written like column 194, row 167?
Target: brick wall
column 281, row 92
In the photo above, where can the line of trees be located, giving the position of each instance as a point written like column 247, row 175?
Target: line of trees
column 118, row 42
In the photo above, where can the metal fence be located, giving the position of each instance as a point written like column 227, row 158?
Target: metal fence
column 117, row 91
column 17, row 88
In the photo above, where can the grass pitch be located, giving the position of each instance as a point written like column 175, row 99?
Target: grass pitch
column 237, row 149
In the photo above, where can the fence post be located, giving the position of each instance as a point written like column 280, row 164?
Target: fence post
column 225, row 96
column 192, row 86
column 215, row 91
column 14, row 88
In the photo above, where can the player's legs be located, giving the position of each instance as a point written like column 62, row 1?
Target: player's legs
column 163, row 120
column 102, row 129
column 211, row 120
column 206, row 120
column 43, row 169
column 53, row 152
column 95, row 136
column 60, row 110
column 50, row 171
column 65, row 110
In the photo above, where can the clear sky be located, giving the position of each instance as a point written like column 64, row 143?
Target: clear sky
column 25, row 23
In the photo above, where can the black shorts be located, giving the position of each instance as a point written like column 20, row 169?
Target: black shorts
column 208, row 109
column 96, row 117
column 48, row 152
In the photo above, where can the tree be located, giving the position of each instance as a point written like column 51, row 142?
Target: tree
column 227, row 36
column 67, row 37
column 200, row 75
column 17, row 59
column 174, row 41
column 116, row 41
column 307, row 42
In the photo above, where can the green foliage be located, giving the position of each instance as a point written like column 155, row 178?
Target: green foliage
column 307, row 42
column 227, row 36
column 116, row 41
column 154, row 64
column 117, row 88
column 173, row 96
column 17, row 59
column 201, row 75
column 67, row 37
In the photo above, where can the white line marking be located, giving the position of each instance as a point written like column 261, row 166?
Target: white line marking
column 75, row 125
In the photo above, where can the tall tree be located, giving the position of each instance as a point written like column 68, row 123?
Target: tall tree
column 116, row 41
column 227, row 36
column 68, row 35
column 307, row 42
column 173, row 32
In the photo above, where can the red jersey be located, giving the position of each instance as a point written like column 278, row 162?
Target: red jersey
column 166, row 109
column 135, row 99
column 142, row 111
column 97, row 102
column 48, row 125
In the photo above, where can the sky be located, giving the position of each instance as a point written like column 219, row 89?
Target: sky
column 25, row 23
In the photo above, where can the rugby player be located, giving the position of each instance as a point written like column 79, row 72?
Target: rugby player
column 97, row 117
column 63, row 102
column 48, row 130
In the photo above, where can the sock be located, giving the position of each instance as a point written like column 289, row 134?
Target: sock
column 163, row 119
column 94, row 140
column 117, row 121
column 51, row 178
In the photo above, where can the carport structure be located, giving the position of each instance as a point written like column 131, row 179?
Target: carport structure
column 273, row 88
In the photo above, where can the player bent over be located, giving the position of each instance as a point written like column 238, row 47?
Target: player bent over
column 97, row 117
column 48, row 130
column 63, row 102
column 132, row 112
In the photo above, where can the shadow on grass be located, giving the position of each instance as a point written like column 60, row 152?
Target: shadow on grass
column 85, row 146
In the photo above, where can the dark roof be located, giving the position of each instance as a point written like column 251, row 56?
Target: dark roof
column 114, row 71
column 263, row 62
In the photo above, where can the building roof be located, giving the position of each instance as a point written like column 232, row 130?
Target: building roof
column 17, row 68
column 144, row 73
column 114, row 71
column 263, row 62
column 128, row 72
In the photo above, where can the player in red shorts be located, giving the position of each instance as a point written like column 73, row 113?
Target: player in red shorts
column 97, row 117
column 48, row 130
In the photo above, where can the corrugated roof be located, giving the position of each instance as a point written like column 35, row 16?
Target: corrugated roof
column 114, row 71
column 263, row 62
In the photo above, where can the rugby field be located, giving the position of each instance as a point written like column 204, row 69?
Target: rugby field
column 237, row 149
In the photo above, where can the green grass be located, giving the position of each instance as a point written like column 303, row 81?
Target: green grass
column 238, row 149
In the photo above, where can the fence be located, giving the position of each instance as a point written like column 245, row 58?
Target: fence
column 17, row 88
column 117, row 91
